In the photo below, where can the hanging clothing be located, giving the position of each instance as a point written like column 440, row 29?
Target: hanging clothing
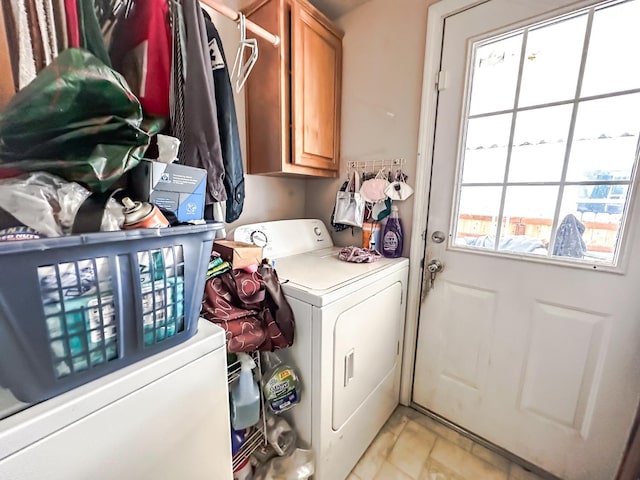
column 31, row 34
column 176, row 92
column 73, row 30
column 201, row 147
column 90, row 33
column 60, row 22
column 51, row 29
column 37, row 42
column 20, row 44
column 227, row 125
column 569, row 242
column 141, row 52
column 42, row 28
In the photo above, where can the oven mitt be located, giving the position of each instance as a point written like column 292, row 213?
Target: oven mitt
column 398, row 191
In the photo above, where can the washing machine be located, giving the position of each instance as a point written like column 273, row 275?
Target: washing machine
column 349, row 338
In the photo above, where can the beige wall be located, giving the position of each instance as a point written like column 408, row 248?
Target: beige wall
column 382, row 82
column 382, row 89
column 267, row 198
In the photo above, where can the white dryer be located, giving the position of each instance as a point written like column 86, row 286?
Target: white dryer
column 349, row 333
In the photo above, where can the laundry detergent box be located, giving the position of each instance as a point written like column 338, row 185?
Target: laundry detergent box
column 177, row 188
column 238, row 254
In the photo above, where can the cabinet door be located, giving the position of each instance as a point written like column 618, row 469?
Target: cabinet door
column 317, row 78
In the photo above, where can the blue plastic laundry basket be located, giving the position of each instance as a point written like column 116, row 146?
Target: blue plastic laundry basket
column 75, row 308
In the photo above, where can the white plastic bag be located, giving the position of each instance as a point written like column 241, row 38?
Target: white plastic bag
column 46, row 205
column 350, row 204
column 297, row 466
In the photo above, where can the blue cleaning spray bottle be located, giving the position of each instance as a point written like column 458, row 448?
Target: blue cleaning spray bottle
column 245, row 396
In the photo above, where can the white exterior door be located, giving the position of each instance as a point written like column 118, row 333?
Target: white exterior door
column 530, row 335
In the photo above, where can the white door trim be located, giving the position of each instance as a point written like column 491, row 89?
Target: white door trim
column 433, row 50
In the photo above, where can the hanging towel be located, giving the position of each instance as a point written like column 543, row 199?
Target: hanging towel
column 40, row 34
column 141, row 52
column 51, row 32
column 19, row 36
column 73, row 31
column 202, row 140
column 227, row 125
column 37, row 44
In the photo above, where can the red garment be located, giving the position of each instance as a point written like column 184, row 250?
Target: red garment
column 231, row 308
column 141, row 52
column 73, row 28
column 252, row 309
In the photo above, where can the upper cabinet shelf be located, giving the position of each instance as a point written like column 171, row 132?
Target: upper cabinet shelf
column 294, row 92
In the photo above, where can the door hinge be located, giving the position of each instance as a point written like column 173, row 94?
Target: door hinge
column 441, row 80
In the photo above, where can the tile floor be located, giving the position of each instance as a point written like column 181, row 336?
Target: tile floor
column 412, row 446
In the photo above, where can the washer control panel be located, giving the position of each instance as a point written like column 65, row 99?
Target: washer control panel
column 283, row 238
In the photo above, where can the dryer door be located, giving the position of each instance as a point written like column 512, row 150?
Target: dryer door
column 366, row 348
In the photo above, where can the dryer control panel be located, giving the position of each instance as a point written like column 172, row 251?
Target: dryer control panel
column 283, row 238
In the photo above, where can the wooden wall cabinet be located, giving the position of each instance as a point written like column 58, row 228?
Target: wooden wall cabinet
column 294, row 92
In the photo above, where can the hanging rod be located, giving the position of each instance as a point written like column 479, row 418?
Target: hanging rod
column 235, row 16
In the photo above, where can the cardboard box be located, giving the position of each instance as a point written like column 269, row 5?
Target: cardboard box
column 177, row 188
column 239, row 254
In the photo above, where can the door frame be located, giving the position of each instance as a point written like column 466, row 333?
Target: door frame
column 437, row 13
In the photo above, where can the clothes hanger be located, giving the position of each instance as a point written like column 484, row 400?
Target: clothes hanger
column 241, row 71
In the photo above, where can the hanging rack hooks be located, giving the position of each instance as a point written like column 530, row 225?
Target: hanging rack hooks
column 369, row 165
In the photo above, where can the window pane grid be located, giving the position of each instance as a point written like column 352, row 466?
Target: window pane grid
column 621, row 93
column 514, row 117
column 595, row 192
column 572, row 127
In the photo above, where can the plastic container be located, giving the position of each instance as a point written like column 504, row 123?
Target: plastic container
column 244, row 471
column 280, row 435
column 281, row 385
column 245, row 396
column 73, row 309
column 371, row 235
column 238, row 437
column 392, row 238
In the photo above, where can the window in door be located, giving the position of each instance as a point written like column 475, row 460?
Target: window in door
column 550, row 143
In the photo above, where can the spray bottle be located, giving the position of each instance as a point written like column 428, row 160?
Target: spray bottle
column 245, row 396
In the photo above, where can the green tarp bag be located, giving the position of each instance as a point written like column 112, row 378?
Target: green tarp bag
column 78, row 119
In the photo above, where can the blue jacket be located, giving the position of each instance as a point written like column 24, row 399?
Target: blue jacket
column 227, row 125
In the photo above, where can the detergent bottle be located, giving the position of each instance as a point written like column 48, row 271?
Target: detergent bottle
column 281, row 385
column 392, row 238
column 245, row 396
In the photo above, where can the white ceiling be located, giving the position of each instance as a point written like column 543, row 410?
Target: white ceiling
column 336, row 8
